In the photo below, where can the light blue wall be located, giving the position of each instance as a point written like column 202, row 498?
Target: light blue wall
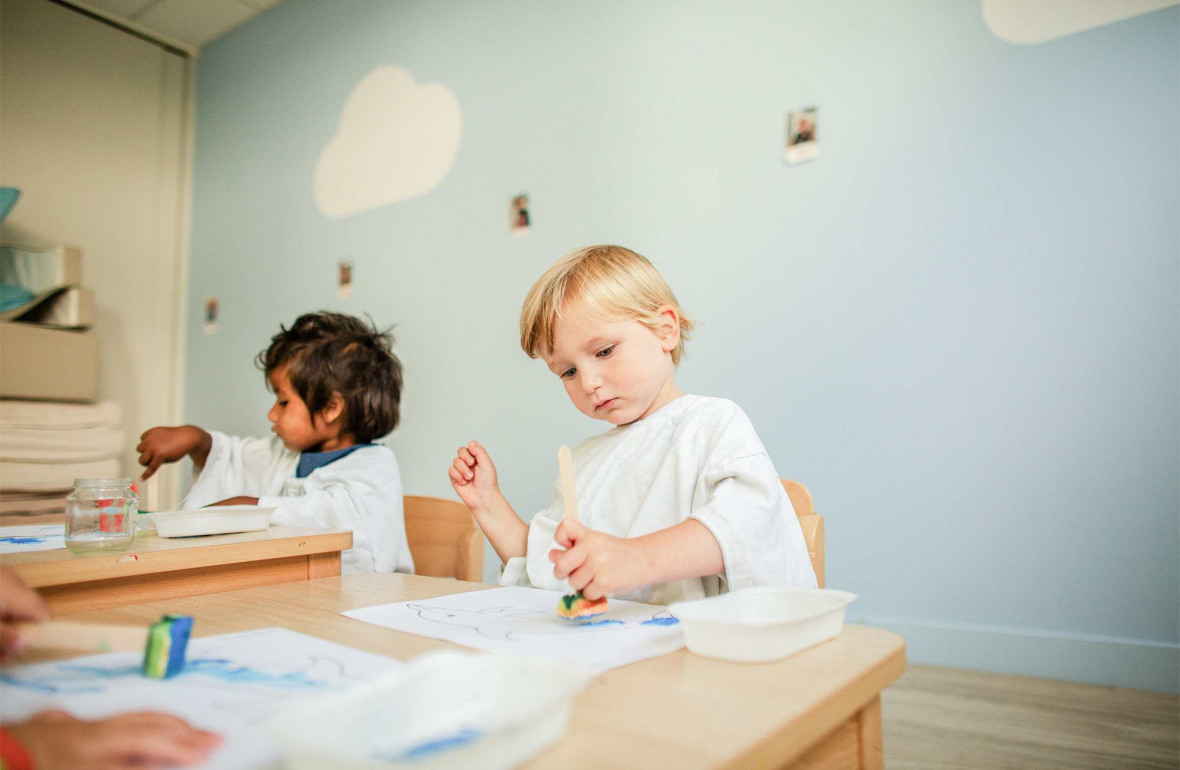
column 959, row 327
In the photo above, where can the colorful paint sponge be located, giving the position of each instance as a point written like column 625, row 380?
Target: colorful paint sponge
column 577, row 608
column 166, row 644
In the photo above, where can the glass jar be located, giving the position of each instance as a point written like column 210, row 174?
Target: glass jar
column 100, row 515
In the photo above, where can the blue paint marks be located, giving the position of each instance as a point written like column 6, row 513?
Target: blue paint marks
column 661, row 622
column 88, row 679
column 603, row 623
column 463, row 737
column 48, row 687
column 228, row 672
column 23, row 540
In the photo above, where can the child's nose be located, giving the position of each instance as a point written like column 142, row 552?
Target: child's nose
column 591, row 382
column 273, row 414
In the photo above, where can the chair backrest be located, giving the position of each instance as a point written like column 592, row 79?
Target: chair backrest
column 444, row 539
column 813, row 525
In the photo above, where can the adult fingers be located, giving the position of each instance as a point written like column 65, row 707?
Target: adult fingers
column 9, row 640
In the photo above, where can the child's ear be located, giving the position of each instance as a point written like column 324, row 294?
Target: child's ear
column 335, row 408
column 668, row 327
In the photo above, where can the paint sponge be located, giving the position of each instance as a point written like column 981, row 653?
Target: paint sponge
column 577, row 608
column 166, row 644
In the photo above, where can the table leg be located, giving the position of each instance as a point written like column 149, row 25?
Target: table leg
column 323, row 565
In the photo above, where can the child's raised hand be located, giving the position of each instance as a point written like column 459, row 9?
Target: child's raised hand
column 598, row 564
column 166, row 445
column 473, row 476
column 59, row 741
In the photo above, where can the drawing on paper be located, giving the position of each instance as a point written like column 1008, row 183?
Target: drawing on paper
column 521, row 621
column 511, row 623
column 230, row 685
column 31, row 537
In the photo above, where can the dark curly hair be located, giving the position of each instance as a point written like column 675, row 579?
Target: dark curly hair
column 328, row 353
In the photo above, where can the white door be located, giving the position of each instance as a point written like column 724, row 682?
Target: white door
column 94, row 130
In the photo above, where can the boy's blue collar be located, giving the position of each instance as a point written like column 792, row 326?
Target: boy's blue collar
column 309, row 461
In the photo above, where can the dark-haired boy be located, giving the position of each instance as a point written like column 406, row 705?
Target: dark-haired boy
column 337, row 387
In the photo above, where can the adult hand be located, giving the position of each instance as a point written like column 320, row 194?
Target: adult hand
column 18, row 603
column 58, row 741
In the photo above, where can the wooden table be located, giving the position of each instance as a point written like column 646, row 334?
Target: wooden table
column 156, row 568
column 818, row 709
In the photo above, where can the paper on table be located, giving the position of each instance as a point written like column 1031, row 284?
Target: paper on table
column 231, row 684
column 32, row 537
column 522, row 621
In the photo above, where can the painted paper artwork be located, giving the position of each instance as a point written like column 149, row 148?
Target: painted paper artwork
column 231, row 684
column 24, row 538
column 523, row 621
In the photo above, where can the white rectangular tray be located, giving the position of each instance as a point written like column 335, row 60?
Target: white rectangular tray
column 218, row 520
column 763, row 623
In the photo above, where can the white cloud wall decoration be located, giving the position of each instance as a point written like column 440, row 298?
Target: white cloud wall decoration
column 396, row 140
column 1037, row 21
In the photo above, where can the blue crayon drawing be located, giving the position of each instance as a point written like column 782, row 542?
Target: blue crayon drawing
column 23, row 540
column 606, row 622
column 661, row 622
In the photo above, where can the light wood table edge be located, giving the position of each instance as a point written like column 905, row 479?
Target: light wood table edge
column 784, row 747
column 119, row 565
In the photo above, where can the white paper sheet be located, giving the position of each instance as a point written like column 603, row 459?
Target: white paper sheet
column 524, row 621
column 231, row 684
column 32, row 537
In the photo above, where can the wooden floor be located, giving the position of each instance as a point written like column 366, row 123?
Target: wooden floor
column 953, row 720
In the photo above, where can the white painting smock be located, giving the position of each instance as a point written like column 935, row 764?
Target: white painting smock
column 697, row 457
column 361, row 491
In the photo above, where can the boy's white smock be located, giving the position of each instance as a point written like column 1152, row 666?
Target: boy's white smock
column 696, row 457
column 361, row 491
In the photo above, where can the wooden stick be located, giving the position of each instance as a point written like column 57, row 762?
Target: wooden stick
column 86, row 637
column 569, row 495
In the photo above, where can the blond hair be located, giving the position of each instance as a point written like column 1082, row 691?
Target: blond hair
column 612, row 281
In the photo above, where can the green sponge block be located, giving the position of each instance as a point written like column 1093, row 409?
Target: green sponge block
column 166, row 645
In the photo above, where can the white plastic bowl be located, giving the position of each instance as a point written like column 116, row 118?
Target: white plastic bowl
column 218, row 520
column 443, row 710
column 754, row 625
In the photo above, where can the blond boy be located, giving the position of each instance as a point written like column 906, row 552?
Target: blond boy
column 680, row 499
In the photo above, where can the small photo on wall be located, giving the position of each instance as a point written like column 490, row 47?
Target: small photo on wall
column 802, row 139
column 344, row 279
column 211, row 308
column 519, row 219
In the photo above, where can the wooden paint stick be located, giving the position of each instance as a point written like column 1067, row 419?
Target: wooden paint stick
column 569, row 494
column 82, row 637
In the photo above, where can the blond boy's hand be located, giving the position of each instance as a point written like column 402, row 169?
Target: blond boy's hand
column 473, row 477
column 59, row 741
column 598, row 564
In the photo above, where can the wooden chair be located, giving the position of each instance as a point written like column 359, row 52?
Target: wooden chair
column 444, row 539
column 813, row 525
